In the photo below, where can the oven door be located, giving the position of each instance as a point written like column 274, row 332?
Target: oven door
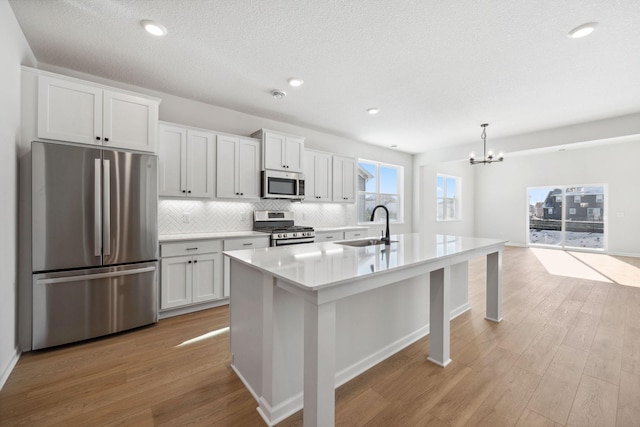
column 292, row 241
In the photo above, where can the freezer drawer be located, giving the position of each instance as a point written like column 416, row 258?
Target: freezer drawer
column 77, row 305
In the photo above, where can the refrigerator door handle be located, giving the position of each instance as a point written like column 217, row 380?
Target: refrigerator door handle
column 106, row 208
column 97, row 196
column 94, row 276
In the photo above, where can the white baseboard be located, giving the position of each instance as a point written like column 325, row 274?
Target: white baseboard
column 9, row 368
column 459, row 310
column 630, row 255
column 192, row 308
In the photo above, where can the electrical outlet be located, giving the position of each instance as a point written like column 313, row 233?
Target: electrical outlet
column 186, row 217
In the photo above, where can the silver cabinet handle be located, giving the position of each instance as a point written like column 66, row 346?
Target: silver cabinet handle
column 247, row 244
column 328, row 237
column 106, row 208
column 192, row 249
column 97, row 218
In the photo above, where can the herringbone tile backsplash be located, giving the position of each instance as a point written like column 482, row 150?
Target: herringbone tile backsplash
column 205, row 216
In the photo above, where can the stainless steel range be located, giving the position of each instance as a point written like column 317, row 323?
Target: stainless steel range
column 281, row 227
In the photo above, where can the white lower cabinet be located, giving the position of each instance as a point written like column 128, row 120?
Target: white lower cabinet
column 242, row 243
column 334, row 236
column 191, row 273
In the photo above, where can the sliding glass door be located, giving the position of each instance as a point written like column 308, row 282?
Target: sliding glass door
column 567, row 216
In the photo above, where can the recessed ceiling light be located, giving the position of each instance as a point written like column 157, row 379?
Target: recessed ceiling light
column 373, row 111
column 295, row 81
column 583, row 30
column 153, row 27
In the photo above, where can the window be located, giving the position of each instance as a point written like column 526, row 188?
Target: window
column 379, row 184
column 447, row 198
column 579, row 225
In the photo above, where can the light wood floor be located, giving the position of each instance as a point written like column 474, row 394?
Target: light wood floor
column 567, row 353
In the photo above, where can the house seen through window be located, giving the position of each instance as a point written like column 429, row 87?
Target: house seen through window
column 379, row 184
column 448, row 197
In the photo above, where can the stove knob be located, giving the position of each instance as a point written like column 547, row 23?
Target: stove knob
column 279, row 235
column 295, row 234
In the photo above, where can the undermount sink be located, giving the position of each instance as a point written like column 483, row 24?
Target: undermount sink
column 364, row 242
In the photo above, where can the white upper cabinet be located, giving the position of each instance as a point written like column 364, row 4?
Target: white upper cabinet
column 237, row 168
column 344, row 179
column 281, row 151
column 185, row 162
column 74, row 111
column 200, row 163
column 317, row 175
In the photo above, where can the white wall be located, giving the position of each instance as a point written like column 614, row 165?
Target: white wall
column 14, row 51
column 193, row 113
column 501, row 191
column 425, row 199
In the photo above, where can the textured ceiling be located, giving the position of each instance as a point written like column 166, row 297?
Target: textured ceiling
column 436, row 69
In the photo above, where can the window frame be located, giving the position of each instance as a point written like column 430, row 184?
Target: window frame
column 399, row 195
column 457, row 199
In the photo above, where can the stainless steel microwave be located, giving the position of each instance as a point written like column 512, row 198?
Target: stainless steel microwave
column 282, row 185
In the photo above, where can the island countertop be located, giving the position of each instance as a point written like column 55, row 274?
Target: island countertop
column 318, row 265
column 306, row 318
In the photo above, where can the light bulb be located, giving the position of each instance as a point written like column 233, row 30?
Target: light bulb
column 154, row 28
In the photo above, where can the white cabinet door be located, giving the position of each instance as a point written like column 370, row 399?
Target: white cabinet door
column 274, row 156
column 317, row 176
column 76, row 112
column 323, row 177
column 280, row 151
column 249, row 169
column 129, row 122
column 207, row 277
column 238, row 168
column 200, row 146
column 185, row 162
column 344, row 179
column 294, row 154
column 172, row 165
column 69, row 111
column 176, row 280
column 226, row 167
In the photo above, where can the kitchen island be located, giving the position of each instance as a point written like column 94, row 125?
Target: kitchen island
column 310, row 317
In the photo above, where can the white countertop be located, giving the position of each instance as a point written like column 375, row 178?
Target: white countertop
column 164, row 238
column 317, row 265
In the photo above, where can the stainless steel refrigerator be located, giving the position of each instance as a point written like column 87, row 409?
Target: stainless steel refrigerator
column 94, row 242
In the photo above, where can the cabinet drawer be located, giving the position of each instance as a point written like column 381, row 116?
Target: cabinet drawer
column 328, row 237
column 349, row 235
column 246, row 243
column 190, row 248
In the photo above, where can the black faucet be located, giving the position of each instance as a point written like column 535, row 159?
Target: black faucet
column 386, row 239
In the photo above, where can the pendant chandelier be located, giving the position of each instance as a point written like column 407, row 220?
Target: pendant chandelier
column 487, row 158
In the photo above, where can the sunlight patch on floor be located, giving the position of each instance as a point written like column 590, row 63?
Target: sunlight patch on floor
column 204, row 336
column 615, row 269
column 561, row 263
